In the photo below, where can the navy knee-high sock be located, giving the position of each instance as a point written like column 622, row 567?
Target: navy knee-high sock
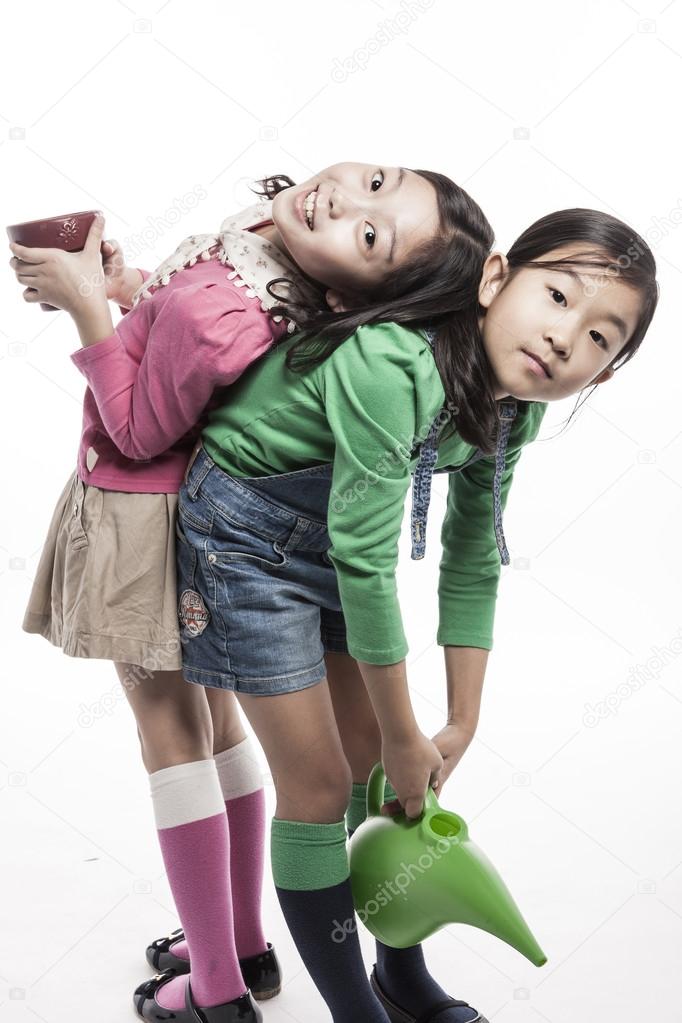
column 312, row 881
column 402, row 972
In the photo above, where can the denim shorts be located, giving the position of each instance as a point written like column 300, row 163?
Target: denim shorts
column 258, row 600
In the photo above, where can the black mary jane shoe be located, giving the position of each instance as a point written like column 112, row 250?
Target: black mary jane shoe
column 261, row 973
column 160, row 957
column 239, row 1010
column 398, row 1015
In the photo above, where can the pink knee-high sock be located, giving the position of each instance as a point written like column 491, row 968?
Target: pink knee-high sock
column 194, row 838
column 246, row 817
column 242, row 788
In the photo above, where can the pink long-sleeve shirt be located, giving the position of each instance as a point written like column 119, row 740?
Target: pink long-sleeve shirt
column 152, row 380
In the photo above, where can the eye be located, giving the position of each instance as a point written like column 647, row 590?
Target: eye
column 370, row 233
column 379, row 183
column 599, row 338
column 560, row 300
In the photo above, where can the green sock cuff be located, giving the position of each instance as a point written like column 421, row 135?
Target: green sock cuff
column 357, row 808
column 307, row 857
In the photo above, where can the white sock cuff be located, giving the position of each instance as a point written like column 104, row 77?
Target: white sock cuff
column 238, row 770
column 185, row 793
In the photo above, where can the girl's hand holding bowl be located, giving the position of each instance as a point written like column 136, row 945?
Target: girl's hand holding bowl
column 59, row 278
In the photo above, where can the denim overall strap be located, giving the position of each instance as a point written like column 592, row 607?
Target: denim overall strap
column 508, row 411
column 421, row 489
column 421, row 483
column 423, row 475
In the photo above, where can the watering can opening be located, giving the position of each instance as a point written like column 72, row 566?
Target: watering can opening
column 445, row 825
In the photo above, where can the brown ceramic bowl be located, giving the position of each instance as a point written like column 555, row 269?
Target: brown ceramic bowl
column 67, row 232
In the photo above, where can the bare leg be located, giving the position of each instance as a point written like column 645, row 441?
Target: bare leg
column 172, row 716
column 355, row 717
column 301, row 741
column 228, row 729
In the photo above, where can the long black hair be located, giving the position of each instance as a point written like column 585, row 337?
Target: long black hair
column 436, row 287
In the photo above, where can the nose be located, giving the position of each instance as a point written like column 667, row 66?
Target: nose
column 337, row 203
column 334, row 201
column 558, row 339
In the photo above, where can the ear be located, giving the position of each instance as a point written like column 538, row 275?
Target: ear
column 337, row 302
column 605, row 375
column 495, row 266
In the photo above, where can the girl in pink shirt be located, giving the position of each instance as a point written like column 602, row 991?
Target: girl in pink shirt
column 356, row 243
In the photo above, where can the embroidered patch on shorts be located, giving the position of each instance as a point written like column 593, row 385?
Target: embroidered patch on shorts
column 193, row 612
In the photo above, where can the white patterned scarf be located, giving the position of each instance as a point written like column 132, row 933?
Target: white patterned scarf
column 254, row 260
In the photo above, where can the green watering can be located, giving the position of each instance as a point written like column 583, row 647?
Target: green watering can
column 412, row 877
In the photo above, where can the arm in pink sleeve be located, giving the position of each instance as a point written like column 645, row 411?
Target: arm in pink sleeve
column 201, row 338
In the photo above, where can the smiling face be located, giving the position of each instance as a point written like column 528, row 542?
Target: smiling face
column 353, row 223
column 575, row 322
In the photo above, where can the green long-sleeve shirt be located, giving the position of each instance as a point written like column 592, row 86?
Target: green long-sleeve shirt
column 363, row 409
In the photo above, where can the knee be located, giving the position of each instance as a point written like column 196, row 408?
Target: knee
column 174, row 733
column 228, row 730
column 322, row 797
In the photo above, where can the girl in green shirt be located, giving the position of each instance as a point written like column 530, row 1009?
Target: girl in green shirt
column 291, row 510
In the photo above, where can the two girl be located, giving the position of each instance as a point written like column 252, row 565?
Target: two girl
column 105, row 585
column 289, row 518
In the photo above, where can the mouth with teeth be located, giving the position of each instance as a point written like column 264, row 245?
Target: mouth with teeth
column 309, row 208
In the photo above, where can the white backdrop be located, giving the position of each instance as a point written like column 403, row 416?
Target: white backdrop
column 571, row 782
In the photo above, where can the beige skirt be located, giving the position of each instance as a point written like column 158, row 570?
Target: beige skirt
column 105, row 585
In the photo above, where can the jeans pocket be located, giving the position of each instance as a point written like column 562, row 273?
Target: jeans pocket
column 247, row 547
column 197, row 515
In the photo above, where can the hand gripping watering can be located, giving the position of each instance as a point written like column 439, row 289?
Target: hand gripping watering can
column 412, row 877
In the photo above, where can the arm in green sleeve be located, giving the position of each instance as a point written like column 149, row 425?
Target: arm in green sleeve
column 377, row 387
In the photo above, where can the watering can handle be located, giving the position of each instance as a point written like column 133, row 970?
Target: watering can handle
column 376, row 788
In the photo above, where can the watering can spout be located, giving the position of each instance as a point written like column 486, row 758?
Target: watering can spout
column 478, row 896
column 412, row 877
